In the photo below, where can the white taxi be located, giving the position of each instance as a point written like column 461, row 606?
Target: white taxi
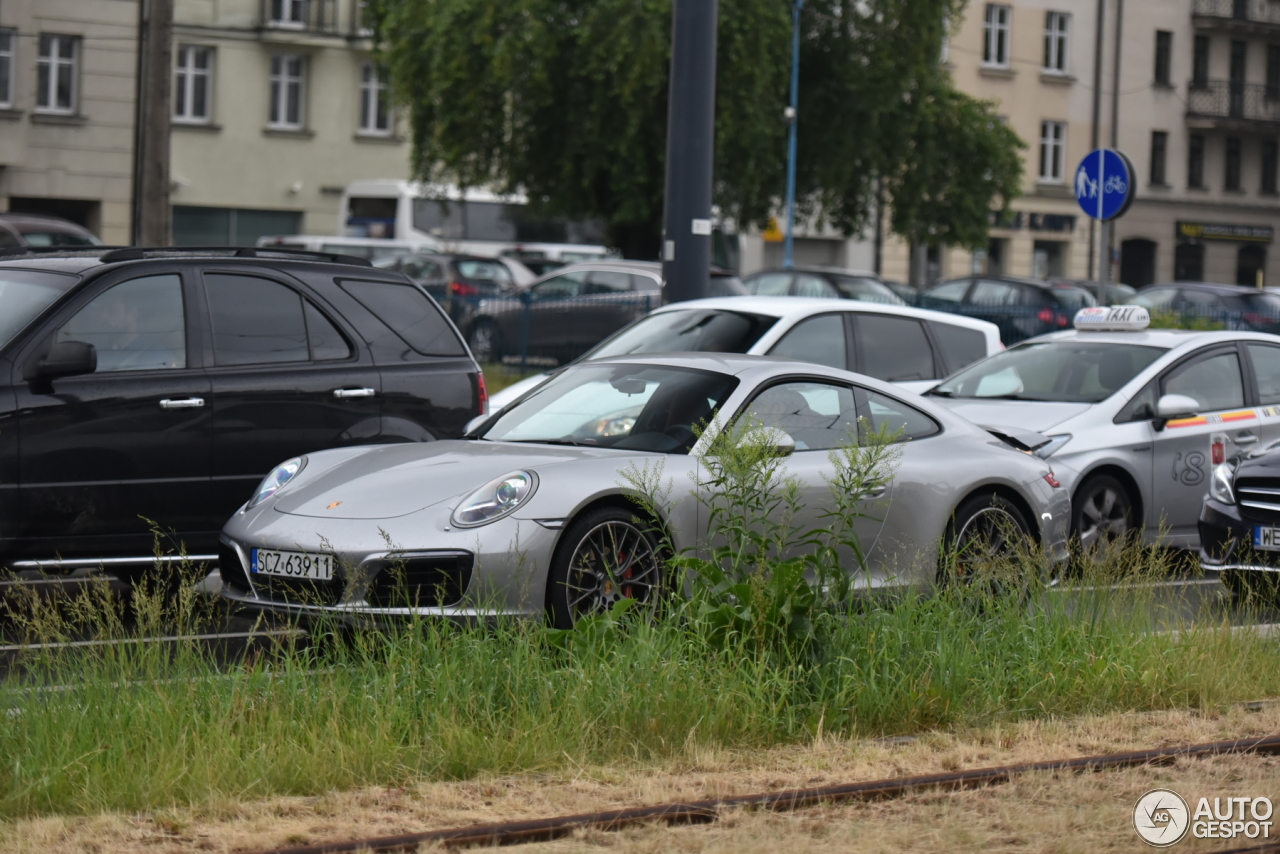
column 1137, row 417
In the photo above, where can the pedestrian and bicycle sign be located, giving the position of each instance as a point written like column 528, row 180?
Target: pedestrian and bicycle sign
column 1104, row 183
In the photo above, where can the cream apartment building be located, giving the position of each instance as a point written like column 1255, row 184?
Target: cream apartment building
column 277, row 105
column 1199, row 117
column 67, row 92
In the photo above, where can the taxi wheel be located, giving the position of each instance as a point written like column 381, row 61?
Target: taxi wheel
column 605, row 556
column 983, row 543
column 485, row 341
column 1101, row 513
column 1253, row 589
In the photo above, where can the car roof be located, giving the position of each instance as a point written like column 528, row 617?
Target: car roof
column 610, row 264
column 797, row 307
column 842, row 271
column 1206, row 286
column 1012, row 280
column 1167, row 338
column 81, row 259
column 44, row 220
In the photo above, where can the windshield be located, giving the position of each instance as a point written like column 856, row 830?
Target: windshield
column 57, row 237
column 637, row 407
column 1263, row 302
column 1073, row 298
column 866, row 290
column 687, row 331
column 24, row 294
column 1069, row 371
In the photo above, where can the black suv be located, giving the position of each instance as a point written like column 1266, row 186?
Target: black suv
column 1022, row 308
column 164, row 384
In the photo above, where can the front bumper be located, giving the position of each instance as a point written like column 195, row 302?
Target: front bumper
column 1226, row 541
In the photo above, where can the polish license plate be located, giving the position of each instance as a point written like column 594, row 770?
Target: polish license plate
column 291, row 564
column 1267, row 539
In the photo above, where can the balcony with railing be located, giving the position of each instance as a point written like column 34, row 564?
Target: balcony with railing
column 307, row 17
column 1227, row 102
column 1237, row 14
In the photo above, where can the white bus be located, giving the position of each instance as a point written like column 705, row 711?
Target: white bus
column 474, row 222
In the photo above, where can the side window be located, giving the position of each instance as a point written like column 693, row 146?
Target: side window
column 897, row 418
column 818, row 416
column 947, row 291
column 643, row 284
column 8, row 238
column 812, row 286
column 819, row 340
column 327, row 343
column 894, row 349
column 1200, row 300
column 255, row 321
column 1155, row 299
column 1266, row 367
column 1213, row 381
column 994, row 293
column 770, row 285
column 420, row 268
column 607, row 282
column 484, row 271
column 410, row 313
column 960, row 345
column 565, row 285
column 138, row 325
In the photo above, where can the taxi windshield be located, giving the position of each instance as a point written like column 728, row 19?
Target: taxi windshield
column 1066, row 371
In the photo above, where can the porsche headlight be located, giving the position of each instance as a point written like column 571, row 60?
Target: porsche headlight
column 1220, row 483
column 275, row 480
column 495, row 499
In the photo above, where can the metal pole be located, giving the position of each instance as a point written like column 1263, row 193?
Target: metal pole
column 1104, row 253
column 1110, row 230
column 686, row 230
column 1095, row 133
column 151, row 213
column 787, row 258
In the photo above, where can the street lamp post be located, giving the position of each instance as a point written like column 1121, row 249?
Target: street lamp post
column 790, row 115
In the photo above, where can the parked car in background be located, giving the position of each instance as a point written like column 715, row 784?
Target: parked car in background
column 21, row 229
column 371, row 248
column 457, row 280
column 905, row 292
column 529, row 514
column 1118, row 293
column 1240, row 524
column 899, row 344
column 1022, row 308
column 569, row 311
column 1234, row 306
column 825, row 282
column 1137, row 416
column 163, row 385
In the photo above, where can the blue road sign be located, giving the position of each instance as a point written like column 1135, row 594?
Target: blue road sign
column 1104, row 183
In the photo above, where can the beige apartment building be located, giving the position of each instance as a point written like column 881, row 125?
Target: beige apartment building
column 1198, row 109
column 67, row 92
column 276, row 107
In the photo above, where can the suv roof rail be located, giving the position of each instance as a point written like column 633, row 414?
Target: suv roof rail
column 137, row 253
column 52, row 250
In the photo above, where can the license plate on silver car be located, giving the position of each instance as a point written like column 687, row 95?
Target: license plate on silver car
column 1267, row 539
column 291, row 564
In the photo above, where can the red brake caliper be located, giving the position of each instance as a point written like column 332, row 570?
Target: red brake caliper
column 626, row 589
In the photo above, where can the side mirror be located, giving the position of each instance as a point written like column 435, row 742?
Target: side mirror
column 64, row 359
column 1172, row 406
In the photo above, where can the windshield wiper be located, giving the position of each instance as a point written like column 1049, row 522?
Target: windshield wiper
column 552, row 442
column 940, row 392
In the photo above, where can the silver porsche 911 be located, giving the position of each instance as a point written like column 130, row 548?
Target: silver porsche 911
column 530, row 515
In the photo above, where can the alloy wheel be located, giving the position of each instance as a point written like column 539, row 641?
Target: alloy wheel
column 1103, row 516
column 613, row 561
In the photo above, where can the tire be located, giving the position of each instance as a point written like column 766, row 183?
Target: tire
column 1253, row 589
column 1101, row 514
column 581, row 583
column 485, row 341
column 984, row 527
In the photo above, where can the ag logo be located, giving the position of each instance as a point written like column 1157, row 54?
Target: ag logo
column 1161, row 817
column 1188, row 468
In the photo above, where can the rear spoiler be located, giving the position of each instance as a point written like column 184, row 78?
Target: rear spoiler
column 1027, row 441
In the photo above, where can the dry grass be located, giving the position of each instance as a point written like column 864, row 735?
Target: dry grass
column 1039, row 813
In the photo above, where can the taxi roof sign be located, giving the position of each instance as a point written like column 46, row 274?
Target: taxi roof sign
column 1114, row 318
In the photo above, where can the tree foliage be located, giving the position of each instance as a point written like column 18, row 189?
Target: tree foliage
column 567, row 101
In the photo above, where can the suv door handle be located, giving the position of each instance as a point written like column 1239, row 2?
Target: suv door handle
column 1245, row 437
column 184, row 403
column 343, row 393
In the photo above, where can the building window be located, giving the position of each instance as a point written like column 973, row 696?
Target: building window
column 995, row 50
column 375, row 107
column 1159, row 152
column 56, row 74
column 191, row 84
column 1232, row 179
column 1057, row 27
column 364, row 21
column 1053, row 137
column 1273, row 71
column 6, row 68
column 289, row 13
column 1200, row 63
column 1195, row 161
column 1270, row 162
column 1164, row 57
column 287, row 85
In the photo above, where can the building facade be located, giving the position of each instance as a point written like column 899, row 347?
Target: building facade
column 68, row 72
column 277, row 105
column 1198, row 114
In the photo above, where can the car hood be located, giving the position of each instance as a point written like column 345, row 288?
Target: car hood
column 395, row 480
column 1026, row 414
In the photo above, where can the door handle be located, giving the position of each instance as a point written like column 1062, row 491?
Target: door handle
column 1245, row 437
column 344, row 393
column 184, row 403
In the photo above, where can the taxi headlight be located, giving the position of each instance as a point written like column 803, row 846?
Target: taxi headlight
column 1055, row 444
column 1220, row 484
column 495, row 499
column 276, row 479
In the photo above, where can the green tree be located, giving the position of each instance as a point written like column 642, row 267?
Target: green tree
column 567, row 100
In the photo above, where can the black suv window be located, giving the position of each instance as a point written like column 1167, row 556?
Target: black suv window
column 255, row 321
column 410, row 313
column 138, row 325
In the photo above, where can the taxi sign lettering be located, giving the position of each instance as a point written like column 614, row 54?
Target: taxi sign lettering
column 1115, row 318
